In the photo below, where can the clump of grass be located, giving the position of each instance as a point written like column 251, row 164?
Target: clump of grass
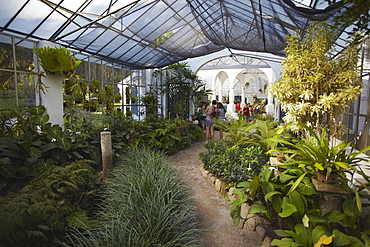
column 144, row 204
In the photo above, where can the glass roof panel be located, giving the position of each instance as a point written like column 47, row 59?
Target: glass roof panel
column 156, row 33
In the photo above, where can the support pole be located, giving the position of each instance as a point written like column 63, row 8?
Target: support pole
column 106, row 149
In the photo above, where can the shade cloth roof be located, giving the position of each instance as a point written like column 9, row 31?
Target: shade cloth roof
column 155, row 33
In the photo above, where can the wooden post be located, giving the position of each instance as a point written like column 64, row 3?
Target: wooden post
column 106, row 149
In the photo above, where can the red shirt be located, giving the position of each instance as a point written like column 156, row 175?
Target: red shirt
column 246, row 111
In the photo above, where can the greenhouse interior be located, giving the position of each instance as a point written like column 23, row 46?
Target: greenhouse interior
column 108, row 107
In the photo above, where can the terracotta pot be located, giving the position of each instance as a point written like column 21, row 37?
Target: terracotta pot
column 280, row 158
column 332, row 179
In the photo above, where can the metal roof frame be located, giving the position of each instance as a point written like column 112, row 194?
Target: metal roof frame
column 155, row 33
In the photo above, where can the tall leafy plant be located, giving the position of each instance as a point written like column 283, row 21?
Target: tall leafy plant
column 315, row 87
column 183, row 87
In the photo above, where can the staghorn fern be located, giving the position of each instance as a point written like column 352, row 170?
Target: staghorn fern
column 57, row 60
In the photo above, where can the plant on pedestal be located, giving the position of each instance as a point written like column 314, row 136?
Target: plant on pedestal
column 57, row 60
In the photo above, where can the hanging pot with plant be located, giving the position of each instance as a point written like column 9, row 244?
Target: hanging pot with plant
column 57, row 60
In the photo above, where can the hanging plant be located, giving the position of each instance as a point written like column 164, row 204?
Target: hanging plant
column 57, row 60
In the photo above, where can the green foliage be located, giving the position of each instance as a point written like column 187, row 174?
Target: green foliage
column 38, row 213
column 268, row 194
column 183, row 87
column 28, row 143
column 289, row 198
column 89, row 95
column 315, row 88
column 144, row 205
column 234, row 164
column 57, row 60
column 168, row 135
column 315, row 153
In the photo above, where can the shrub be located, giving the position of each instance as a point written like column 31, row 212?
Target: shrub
column 233, row 163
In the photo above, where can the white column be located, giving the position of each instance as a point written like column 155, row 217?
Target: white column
column 52, row 99
column 220, row 89
column 270, row 108
column 213, row 89
column 243, row 94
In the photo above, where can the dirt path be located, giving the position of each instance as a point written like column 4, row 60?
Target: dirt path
column 213, row 209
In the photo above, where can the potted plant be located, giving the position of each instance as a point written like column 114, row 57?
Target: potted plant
column 57, row 60
column 329, row 163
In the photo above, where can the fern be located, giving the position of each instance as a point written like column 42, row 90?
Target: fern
column 38, row 213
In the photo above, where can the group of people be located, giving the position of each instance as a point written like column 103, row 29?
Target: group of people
column 208, row 115
column 249, row 111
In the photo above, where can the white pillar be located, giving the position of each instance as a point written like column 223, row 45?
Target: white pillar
column 52, row 99
column 270, row 108
column 219, row 89
column 213, row 89
column 243, row 94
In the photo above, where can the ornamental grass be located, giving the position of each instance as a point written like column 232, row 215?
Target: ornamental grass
column 144, row 204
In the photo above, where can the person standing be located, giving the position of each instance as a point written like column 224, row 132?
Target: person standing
column 221, row 117
column 211, row 113
column 237, row 107
column 246, row 112
column 201, row 115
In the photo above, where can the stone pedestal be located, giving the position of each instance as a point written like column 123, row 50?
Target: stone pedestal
column 106, row 149
column 332, row 196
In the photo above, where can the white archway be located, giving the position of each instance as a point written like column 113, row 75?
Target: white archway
column 242, row 72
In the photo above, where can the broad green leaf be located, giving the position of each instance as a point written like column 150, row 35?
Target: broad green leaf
column 35, row 152
column 40, row 120
column 282, row 233
column 9, row 145
column 288, row 210
column 299, row 202
column 335, row 215
column 340, row 239
column 48, row 147
column 7, row 170
column 235, row 214
column 37, row 110
column 285, row 242
column 270, row 194
column 318, row 232
column 254, row 186
column 296, row 183
column 257, row 208
column 324, row 240
column 306, row 187
column 285, row 177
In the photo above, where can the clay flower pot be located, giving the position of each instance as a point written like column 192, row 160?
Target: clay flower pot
column 332, row 179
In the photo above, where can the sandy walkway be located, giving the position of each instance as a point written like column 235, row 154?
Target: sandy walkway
column 213, row 209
